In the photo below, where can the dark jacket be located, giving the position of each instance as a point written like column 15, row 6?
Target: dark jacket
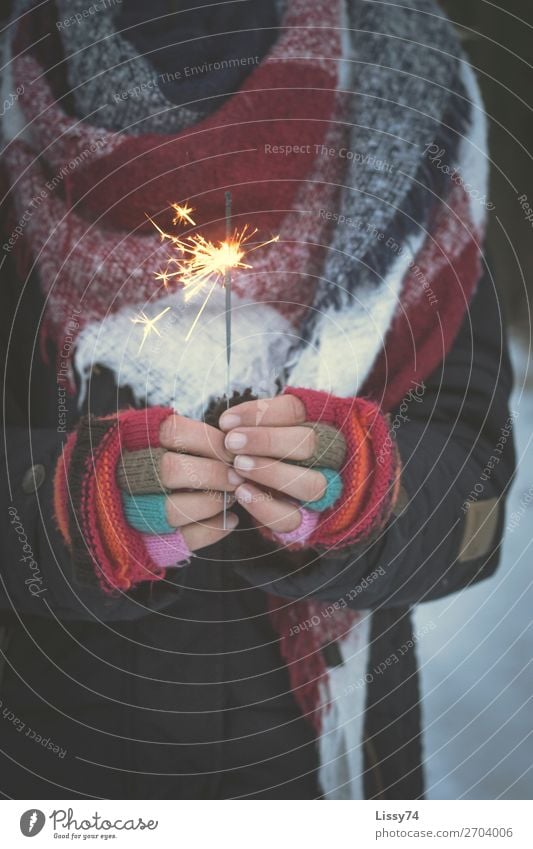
column 178, row 689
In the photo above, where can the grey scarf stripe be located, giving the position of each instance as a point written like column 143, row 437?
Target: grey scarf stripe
column 116, row 87
column 111, row 83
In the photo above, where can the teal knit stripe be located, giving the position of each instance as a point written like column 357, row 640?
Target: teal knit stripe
column 146, row 513
column 332, row 494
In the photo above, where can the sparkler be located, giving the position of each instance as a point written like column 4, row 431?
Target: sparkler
column 227, row 286
column 200, row 265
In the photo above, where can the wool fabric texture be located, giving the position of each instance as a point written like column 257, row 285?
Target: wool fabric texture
column 147, row 513
column 330, row 450
column 169, row 550
column 104, row 546
column 299, row 537
column 370, row 480
column 218, row 44
column 138, row 472
column 365, row 491
column 331, row 495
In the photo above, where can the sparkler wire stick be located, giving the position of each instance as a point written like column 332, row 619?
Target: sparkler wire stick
column 227, row 286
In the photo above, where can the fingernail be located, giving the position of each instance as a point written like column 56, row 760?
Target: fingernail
column 244, row 494
column 228, row 421
column 234, row 478
column 244, row 463
column 235, row 440
column 231, row 520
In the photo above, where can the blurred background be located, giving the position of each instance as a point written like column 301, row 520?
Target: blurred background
column 477, row 663
column 498, row 38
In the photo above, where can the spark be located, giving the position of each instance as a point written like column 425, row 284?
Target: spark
column 202, row 264
column 182, row 213
column 33, row 820
column 148, row 325
column 164, row 277
column 162, row 233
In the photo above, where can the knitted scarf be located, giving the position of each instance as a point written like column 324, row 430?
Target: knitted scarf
column 356, row 133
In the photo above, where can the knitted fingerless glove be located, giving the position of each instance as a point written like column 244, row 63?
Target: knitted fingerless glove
column 362, row 487
column 107, row 550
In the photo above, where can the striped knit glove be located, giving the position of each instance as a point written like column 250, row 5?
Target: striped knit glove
column 359, row 460
column 91, row 510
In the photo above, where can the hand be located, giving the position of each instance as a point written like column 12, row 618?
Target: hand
column 204, row 466
column 261, row 434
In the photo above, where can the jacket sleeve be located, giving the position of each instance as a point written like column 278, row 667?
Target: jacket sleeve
column 455, row 439
column 36, row 570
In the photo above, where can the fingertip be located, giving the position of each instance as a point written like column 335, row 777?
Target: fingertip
column 244, row 494
column 168, row 430
column 232, row 520
column 228, row 421
column 233, row 478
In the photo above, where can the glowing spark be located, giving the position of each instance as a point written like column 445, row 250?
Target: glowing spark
column 183, row 213
column 162, row 233
column 149, row 325
column 164, row 277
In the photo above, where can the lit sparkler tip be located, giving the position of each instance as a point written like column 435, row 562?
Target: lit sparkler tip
column 148, row 325
column 202, row 264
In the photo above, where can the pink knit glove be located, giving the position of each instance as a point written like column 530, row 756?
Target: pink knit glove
column 370, row 474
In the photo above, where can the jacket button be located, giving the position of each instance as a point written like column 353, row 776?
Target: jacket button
column 33, row 479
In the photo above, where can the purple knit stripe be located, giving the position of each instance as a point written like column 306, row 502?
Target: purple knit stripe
column 168, row 549
column 309, row 521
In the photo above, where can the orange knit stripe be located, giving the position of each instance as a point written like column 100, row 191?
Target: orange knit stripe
column 105, row 484
column 61, row 501
column 61, row 493
column 356, row 478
